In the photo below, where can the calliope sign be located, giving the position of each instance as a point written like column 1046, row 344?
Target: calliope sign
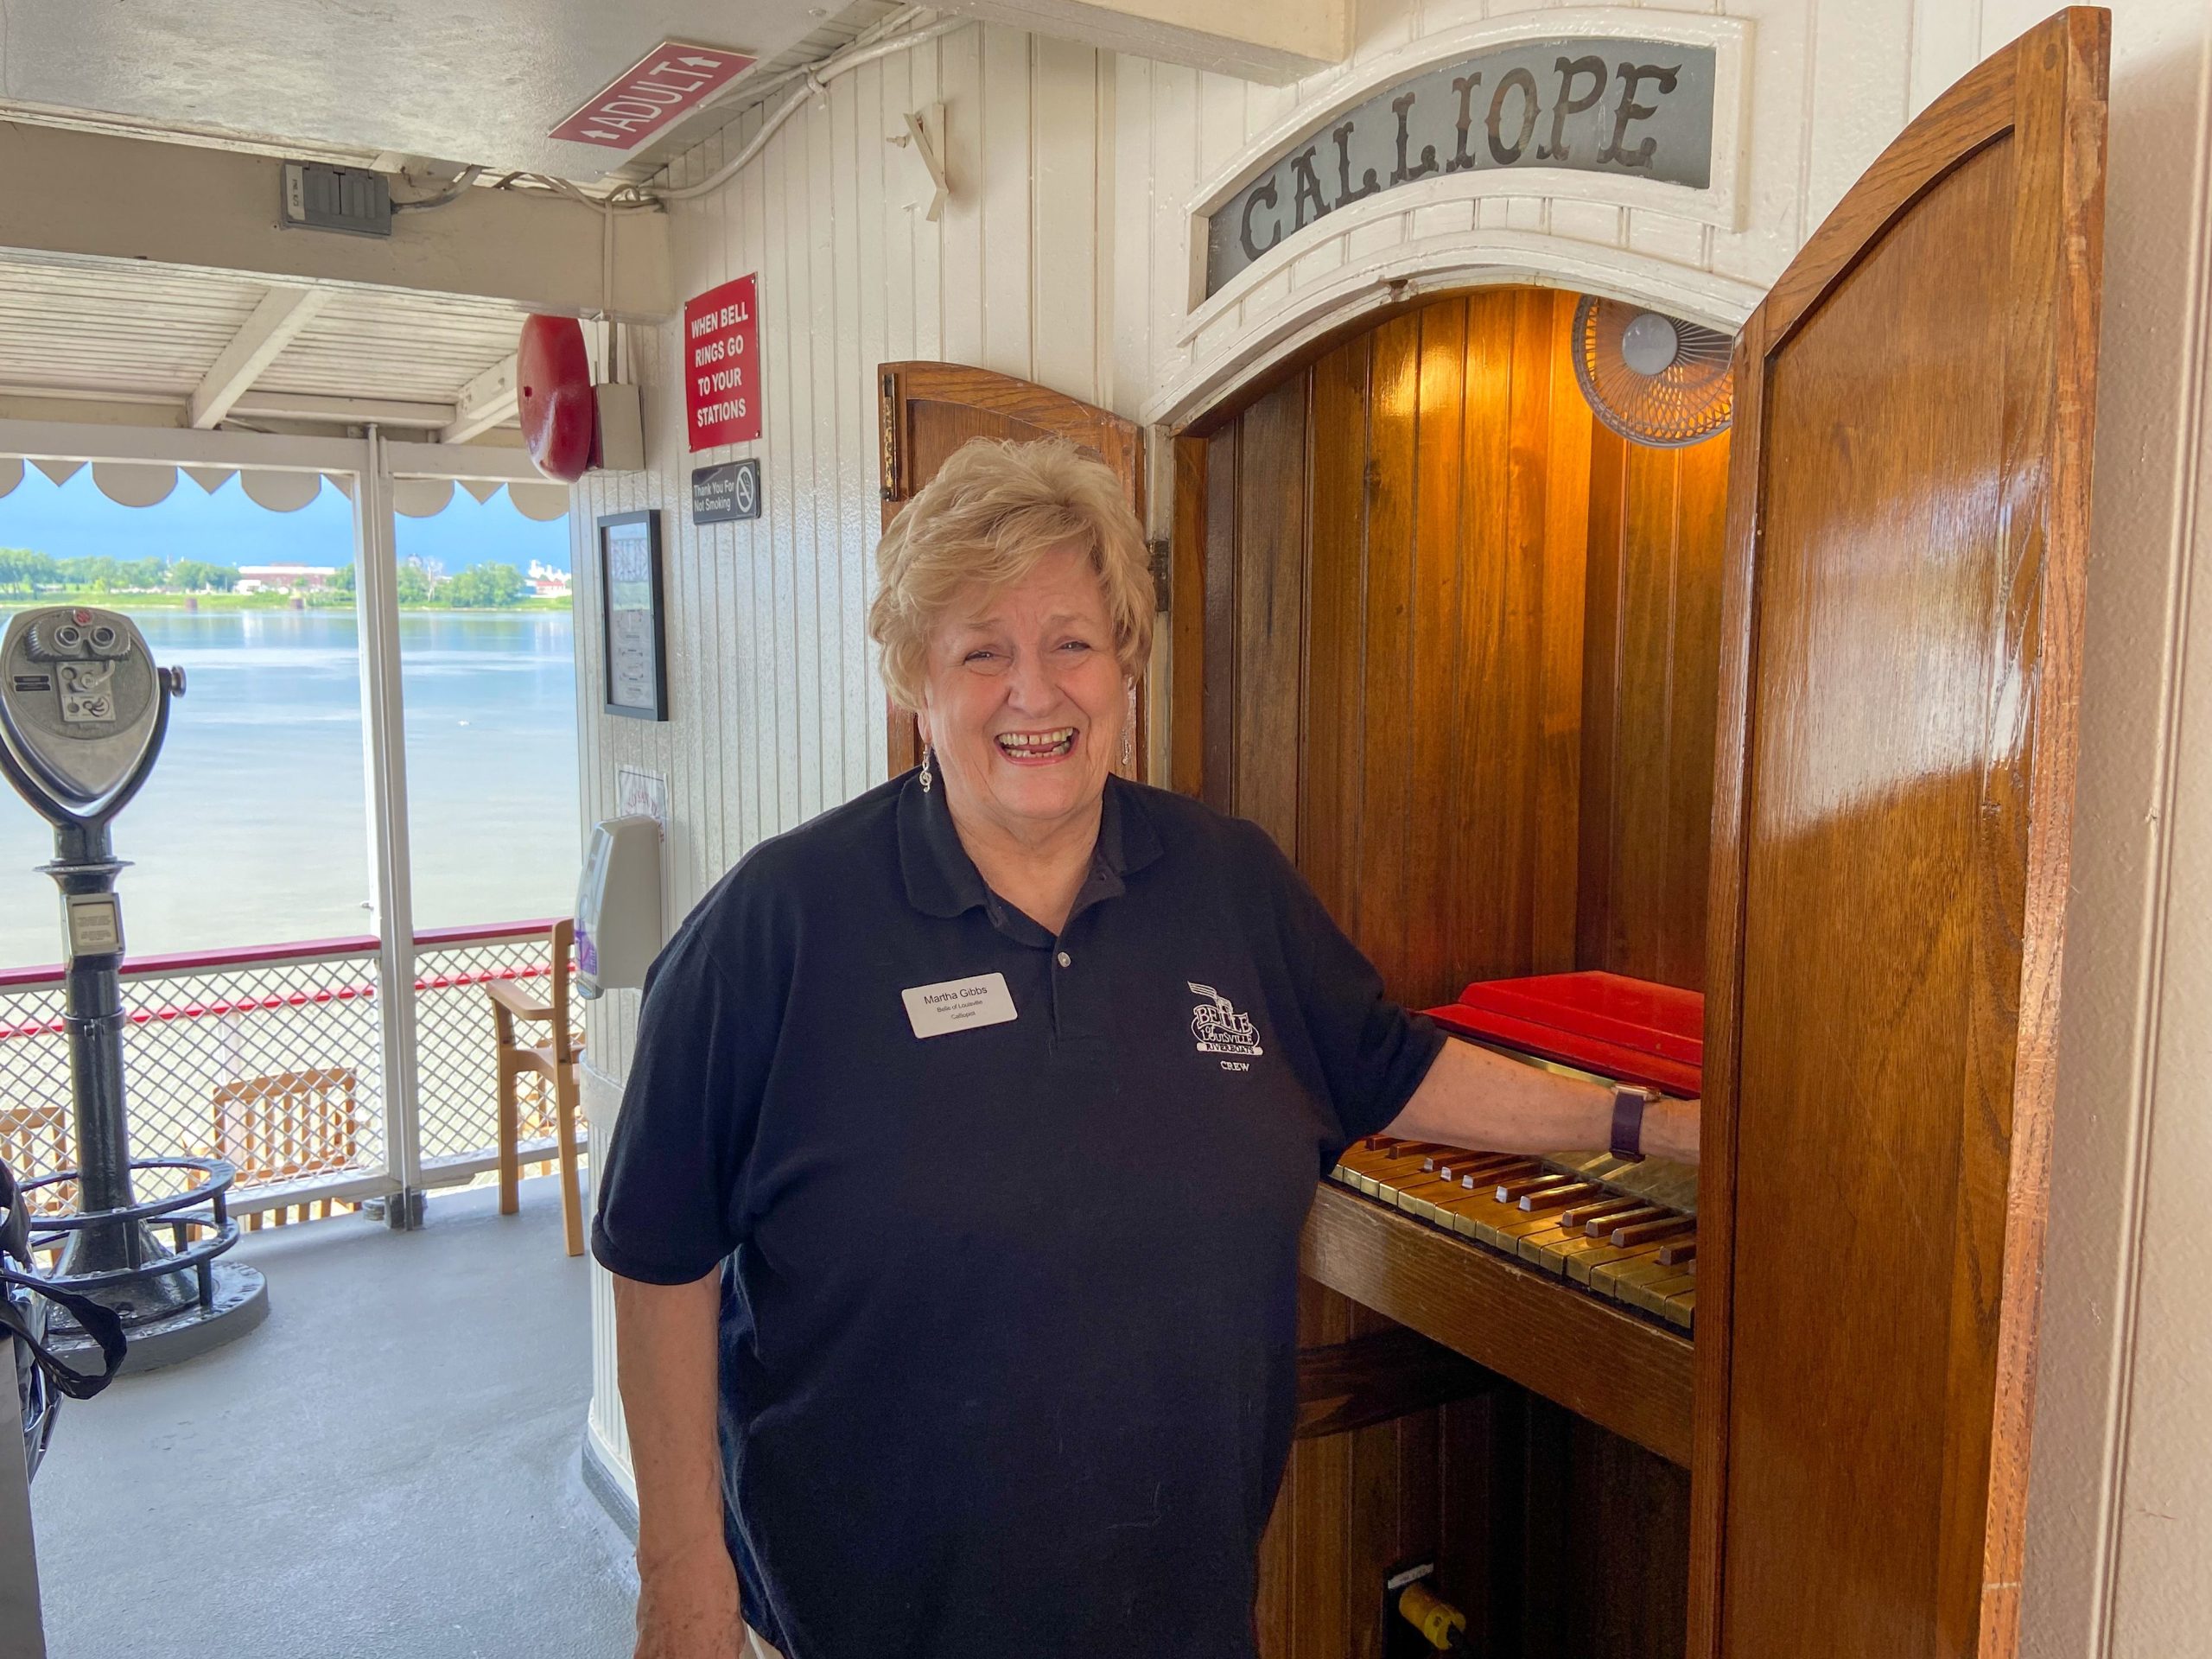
column 1638, row 109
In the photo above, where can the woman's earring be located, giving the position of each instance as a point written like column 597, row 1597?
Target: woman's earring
column 1129, row 731
column 926, row 753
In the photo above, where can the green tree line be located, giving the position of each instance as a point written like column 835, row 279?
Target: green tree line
column 481, row 586
column 23, row 570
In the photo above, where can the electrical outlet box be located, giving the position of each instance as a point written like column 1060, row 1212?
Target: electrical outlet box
column 319, row 197
column 621, row 428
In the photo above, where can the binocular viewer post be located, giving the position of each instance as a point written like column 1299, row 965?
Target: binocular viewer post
column 82, row 714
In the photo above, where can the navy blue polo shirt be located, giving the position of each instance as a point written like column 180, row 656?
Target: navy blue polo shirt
column 1008, row 1317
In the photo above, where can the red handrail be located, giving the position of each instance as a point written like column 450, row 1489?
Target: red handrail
column 432, row 938
column 185, row 962
column 288, row 999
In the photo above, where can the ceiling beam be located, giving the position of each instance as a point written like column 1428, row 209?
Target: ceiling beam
column 347, row 411
column 1274, row 41
column 279, row 317
column 73, row 440
column 490, row 400
column 85, row 195
column 158, row 409
column 78, row 441
column 486, row 463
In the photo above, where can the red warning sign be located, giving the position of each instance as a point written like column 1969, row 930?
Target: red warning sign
column 670, row 81
column 722, row 365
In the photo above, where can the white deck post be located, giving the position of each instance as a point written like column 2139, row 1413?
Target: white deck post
column 383, row 745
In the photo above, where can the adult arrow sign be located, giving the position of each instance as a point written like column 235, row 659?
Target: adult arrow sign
column 651, row 95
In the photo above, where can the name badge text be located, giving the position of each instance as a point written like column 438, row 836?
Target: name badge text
column 958, row 1004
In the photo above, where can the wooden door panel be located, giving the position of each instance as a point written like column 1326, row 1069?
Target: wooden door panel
column 1269, row 623
column 1389, row 548
column 1651, row 698
column 1900, row 632
column 925, row 411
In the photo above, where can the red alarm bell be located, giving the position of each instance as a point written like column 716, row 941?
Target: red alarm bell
column 560, row 418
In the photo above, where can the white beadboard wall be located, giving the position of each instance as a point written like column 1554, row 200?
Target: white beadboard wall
column 1060, row 259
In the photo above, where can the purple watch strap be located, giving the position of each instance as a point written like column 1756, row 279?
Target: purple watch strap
column 1630, row 1103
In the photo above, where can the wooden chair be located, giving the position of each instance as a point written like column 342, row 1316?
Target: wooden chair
column 35, row 1141
column 555, row 1061
column 284, row 1125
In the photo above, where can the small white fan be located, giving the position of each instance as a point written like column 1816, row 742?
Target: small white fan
column 1653, row 378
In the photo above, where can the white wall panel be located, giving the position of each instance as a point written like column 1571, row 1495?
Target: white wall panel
column 1862, row 63
column 1772, row 222
column 1946, row 41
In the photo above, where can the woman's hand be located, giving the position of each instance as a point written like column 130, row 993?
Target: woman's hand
column 665, row 1363
column 688, row 1607
column 1671, row 1129
column 1474, row 1097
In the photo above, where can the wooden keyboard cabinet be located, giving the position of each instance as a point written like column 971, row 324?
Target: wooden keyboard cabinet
column 1787, row 719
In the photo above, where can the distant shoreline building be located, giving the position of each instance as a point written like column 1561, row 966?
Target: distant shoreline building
column 547, row 582
column 284, row 578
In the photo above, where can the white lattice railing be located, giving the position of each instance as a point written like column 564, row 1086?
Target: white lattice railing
column 272, row 1058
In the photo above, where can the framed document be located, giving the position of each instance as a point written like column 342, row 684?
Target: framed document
column 631, row 634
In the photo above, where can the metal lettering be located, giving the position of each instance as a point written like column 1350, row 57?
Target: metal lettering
column 1308, row 188
column 1462, row 157
column 1368, row 184
column 1632, row 110
column 1504, row 154
column 1267, row 195
column 1569, row 104
column 1399, row 107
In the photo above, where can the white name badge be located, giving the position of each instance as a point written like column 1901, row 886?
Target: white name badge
column 958, row 1005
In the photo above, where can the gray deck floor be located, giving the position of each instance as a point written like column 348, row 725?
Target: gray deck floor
column 388, row 1465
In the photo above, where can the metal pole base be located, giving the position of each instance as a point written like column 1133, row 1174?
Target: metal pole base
column 240, row 1302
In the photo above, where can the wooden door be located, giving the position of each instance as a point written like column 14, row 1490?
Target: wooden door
column 926, row 410
column 1409, row 573
column 1900, row 637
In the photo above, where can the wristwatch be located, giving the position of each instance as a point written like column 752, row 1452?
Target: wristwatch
column 1630, row 1101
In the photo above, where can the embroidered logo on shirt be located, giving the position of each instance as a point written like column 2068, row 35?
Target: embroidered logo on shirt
column 1218, row 1027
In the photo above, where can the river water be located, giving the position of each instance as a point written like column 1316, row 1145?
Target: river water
column 253, row 829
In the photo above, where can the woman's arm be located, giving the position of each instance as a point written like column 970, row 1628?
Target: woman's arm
column 664, row 1348
column 1475, row 1097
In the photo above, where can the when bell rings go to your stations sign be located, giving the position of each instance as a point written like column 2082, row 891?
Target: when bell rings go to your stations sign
column 1632, row 108
column 722, row 365
column 669, row 82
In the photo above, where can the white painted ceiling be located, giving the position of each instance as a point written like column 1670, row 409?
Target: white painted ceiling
column 145, row 334
column 461, row 80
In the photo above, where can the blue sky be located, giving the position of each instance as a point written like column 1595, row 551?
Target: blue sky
column 74, row 520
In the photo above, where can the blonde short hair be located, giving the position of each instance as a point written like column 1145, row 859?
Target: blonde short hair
column 993, row 511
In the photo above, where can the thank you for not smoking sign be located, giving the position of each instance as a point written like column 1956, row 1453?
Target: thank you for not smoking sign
column 726, row 494
column 721, row 362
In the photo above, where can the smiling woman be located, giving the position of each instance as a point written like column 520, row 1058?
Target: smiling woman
column 1015, row 616
column 1004, row 972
